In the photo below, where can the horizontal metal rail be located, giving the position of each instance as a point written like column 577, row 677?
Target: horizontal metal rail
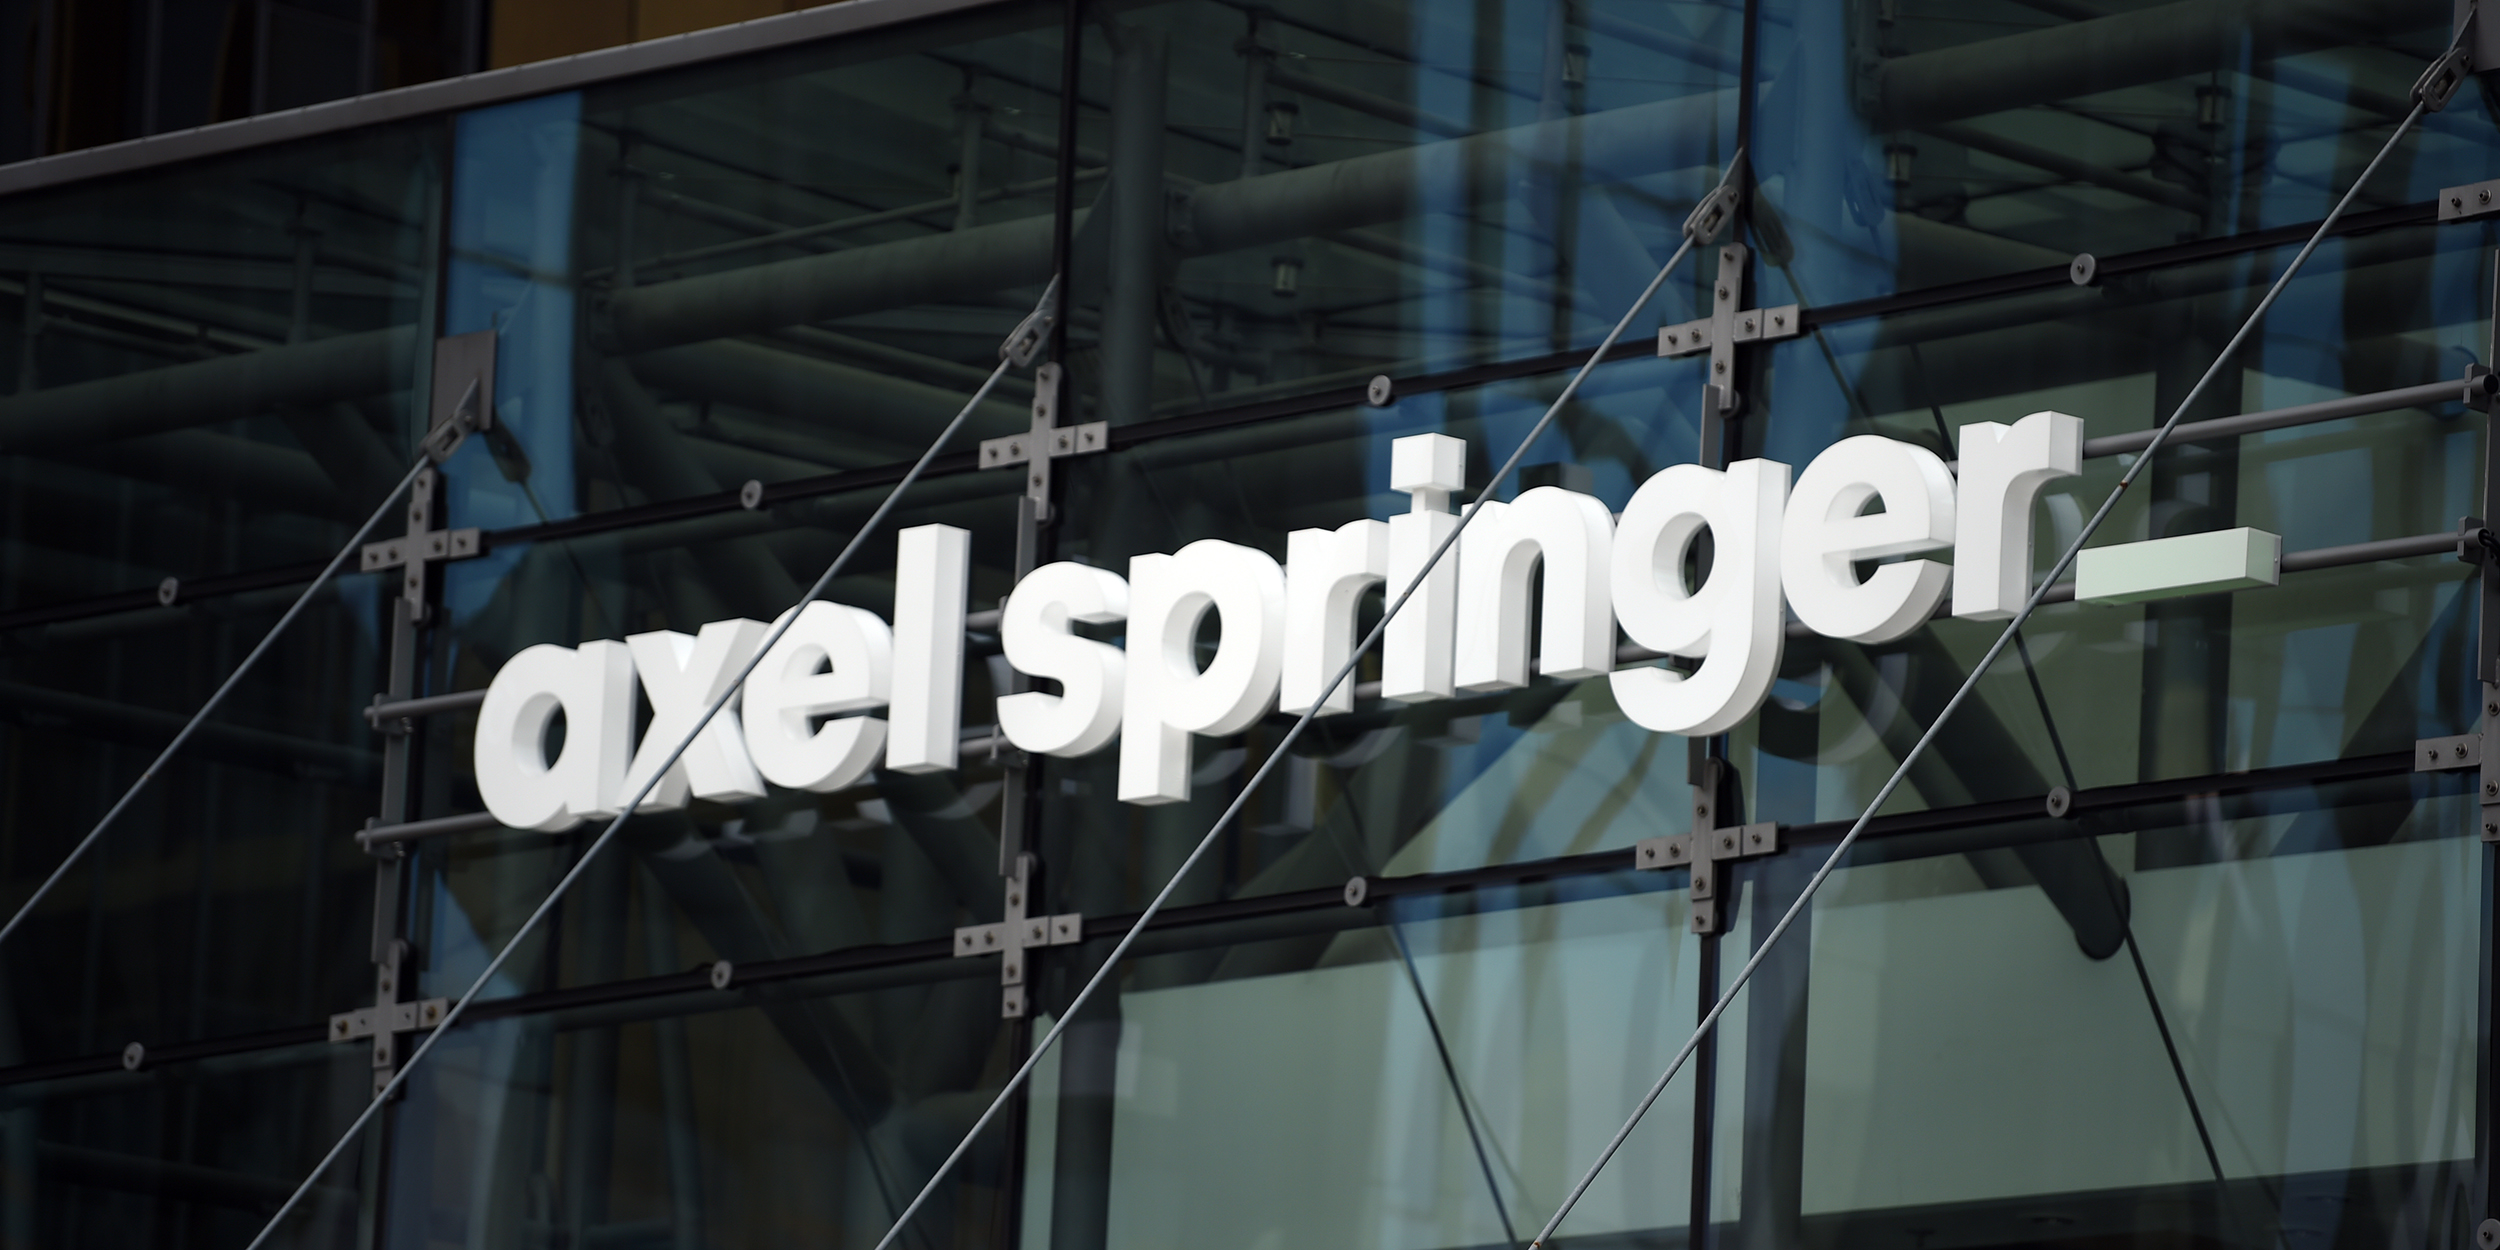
column 2283, row 418
column 2022, row 819
column 440, row 826
column 144, row 600
column 429, row 705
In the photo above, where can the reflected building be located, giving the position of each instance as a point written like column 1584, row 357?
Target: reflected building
column 2178, row 934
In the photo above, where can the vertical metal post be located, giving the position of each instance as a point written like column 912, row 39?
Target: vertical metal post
column 262, row 11
column 30, row 334
column 1253, row 100
column 628, row 200
column 973, row 116
column 151, row 92
column 1772, row 1208
column 668, row 1036
column 367, row 17
column 47, row 33
column 2485, row 1208
column 1136, row 237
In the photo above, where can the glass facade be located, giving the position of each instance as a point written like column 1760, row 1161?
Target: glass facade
column 2169, row 940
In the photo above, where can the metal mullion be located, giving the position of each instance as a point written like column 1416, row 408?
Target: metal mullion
column 1495, row 881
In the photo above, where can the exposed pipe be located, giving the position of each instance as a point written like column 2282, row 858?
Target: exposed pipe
column 1321, row 199
column 819, row 393
column 205, row 392
column 2105, row 54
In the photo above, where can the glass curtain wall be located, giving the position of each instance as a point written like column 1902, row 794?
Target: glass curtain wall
column 2164, row 941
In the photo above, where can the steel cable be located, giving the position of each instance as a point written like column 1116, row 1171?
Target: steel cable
column 1693, row 226
column 1945, row 715
column 1017, row 349
column 436, row 447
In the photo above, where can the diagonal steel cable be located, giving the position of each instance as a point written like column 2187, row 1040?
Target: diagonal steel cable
column 1978, row 670
column 438, row 445
column 1018, row 349
column 1706, row 218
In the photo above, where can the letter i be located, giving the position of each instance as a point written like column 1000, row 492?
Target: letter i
column 1416, row 653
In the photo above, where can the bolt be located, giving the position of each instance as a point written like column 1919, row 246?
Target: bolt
column 2483, row 196
column 2460, row 750
column 2456, row 201
column 1723, row 291
column 1718, row 368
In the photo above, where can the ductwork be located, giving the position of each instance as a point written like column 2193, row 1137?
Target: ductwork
column 1643, row 139
column 856, row 403
column 2106, row 54
column 965, row 264
column 207, row 391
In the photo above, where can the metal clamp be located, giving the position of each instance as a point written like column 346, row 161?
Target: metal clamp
column 2439, row 755
column 1027, row 338
column 2440, row 81
column 1711, row 216
column 2474, row 199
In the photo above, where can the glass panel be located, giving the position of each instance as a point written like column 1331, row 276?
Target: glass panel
column 2313, row 956
column 1237, row 1064
column 707, row 1119
column 1500, row 777
column 213, row 370
column 765, row 270
column 1903, row 146
column 1401, row 188
column 892, row 857
column 2352, row 659
column 199, row 1152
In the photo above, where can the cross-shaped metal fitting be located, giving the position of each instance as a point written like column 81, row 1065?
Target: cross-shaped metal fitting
column 1709, row 845
column 1728, row 324
column 1045, row 441
column 1019, row 932
column 422, row 546
column 388, row 1017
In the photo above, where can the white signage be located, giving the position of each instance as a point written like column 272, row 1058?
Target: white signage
column 842, row 692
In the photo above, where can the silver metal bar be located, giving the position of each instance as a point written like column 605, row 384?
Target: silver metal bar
column 429, row 705
column 2421, row 396
column 439, row 826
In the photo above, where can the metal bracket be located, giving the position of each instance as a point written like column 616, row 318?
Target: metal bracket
column 1709, row 845
column 1010, row 938
column 388, row 1017
column 1045, row 441
column 2474, row 199
column 431, row 545
column 2439, row 755
column 2441, row 80
column 1728, row 324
